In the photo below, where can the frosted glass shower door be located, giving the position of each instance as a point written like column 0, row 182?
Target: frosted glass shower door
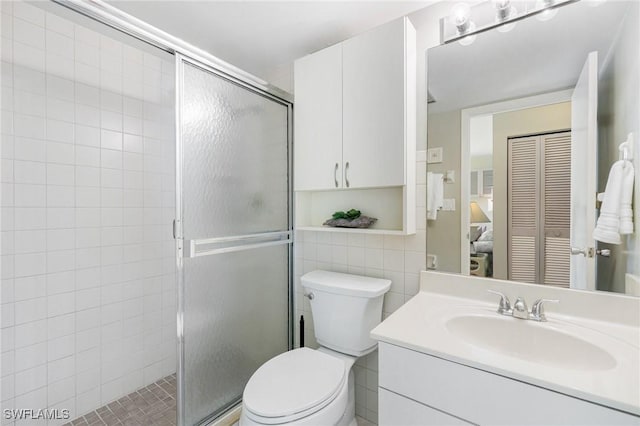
column 233, row 233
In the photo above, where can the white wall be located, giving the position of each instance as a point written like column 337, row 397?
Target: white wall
column 88, row 288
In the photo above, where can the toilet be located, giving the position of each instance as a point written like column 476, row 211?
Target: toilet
column 316, row 387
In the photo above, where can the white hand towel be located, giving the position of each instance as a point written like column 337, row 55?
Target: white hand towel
column 626, row 212
column 435, row 194
column 607, row 227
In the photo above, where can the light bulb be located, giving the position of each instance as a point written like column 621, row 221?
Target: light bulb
column 501, row 5
column 504, row 10
column 459, row 16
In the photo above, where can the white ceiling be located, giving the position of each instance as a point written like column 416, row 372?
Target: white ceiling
column 263, row 37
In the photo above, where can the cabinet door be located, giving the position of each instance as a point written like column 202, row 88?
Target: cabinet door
column 374, row 72
column 394, row 409
column 318, row 120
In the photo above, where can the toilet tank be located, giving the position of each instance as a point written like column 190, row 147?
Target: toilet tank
column 345, row 309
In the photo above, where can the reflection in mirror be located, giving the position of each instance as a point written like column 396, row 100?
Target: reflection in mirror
column 531, row 121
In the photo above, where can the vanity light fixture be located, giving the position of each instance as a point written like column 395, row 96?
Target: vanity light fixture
column 464, row 22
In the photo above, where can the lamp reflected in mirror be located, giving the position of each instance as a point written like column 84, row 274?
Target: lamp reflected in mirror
column 477, row 215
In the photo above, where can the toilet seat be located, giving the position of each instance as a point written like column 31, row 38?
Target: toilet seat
column 293, row 385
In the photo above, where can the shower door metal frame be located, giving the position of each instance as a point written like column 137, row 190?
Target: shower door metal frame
column 188, row 248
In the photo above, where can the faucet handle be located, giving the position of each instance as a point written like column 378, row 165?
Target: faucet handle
column 537, row 310
column 504, row 307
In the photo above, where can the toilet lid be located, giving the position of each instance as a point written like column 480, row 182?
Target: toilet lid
column 294, row 382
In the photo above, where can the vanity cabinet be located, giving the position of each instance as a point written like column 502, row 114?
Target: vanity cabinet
column 355, row 129
column 420, row 389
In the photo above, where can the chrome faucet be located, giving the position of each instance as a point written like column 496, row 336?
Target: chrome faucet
column 520, row 310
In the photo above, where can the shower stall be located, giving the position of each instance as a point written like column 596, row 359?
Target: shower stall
column 146, row 222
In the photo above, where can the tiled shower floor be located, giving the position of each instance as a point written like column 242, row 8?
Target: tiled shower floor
column 154, row 405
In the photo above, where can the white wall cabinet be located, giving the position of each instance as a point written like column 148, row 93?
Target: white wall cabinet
column 434, row 391
column 376, row 106
column 318, row 120
column 355, row 127
column 355, row 111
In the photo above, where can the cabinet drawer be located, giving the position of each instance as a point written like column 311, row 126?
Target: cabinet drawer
column 485, row 398
column 394, row 409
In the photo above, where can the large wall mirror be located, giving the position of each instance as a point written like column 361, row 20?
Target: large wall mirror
column 529, row 122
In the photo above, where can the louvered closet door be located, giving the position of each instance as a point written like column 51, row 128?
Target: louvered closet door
column 524, row 193
column 556, row 192
column 539, row 208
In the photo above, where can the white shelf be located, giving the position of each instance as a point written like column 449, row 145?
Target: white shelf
column 350, row 230
column 313, row 208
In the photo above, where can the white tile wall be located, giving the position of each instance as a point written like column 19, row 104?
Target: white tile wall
column 398, row 258
column 87, row 199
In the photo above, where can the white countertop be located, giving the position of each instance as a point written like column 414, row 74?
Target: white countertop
column 420, row 325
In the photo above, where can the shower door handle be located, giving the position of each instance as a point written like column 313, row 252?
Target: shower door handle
column 335, row 175
column 209, row 246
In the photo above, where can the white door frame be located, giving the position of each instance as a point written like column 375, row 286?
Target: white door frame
column 465, row 117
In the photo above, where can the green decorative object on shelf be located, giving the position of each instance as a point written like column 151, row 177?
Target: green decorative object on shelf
column 350, row 215
column 350, row 219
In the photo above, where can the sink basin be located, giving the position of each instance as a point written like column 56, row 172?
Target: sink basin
column 530, row 341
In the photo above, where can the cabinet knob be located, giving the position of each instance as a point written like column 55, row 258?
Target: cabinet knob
column 335, row 175
column 346, row 175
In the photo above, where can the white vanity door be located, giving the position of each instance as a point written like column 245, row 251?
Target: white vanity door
column 584, row 173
